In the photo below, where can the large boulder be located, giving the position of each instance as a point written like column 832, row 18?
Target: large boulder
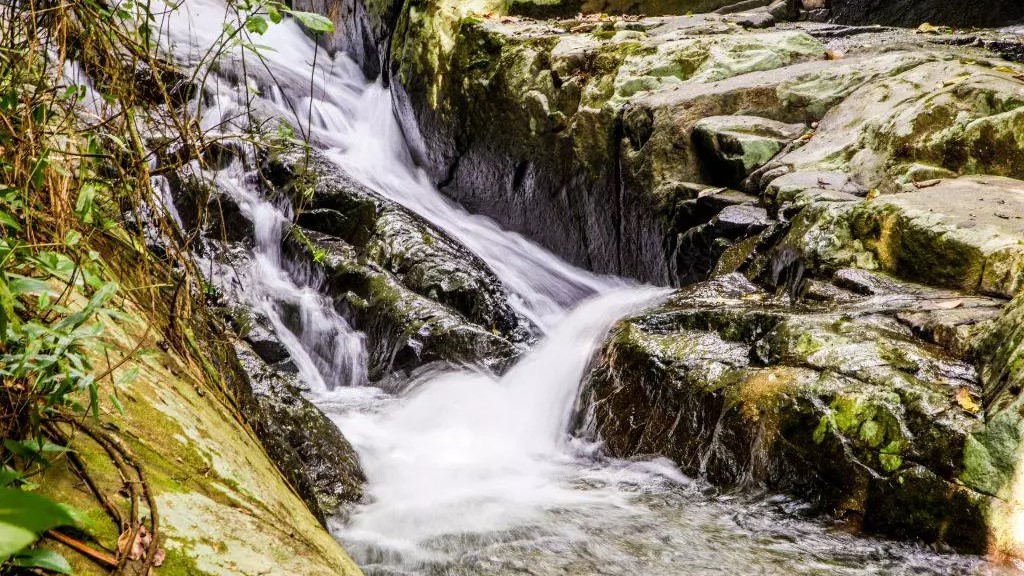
column 404, row 330
column 223, row 502
column 304, row 443
column 842, row 403
column 520, row 119
column 943, row 117
column 570, row 8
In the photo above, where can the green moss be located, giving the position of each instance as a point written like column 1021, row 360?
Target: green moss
column 991, row 454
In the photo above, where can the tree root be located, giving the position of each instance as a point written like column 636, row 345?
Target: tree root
column 133, row 478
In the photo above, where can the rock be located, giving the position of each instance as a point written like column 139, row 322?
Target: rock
column 549, row 172
column 216, row 486
column 658, row 146
column 570, row 8
column 731, row 147
column 933, row 119
column 423, row 258
column 755, row 20
column 842, row 403
column 742, row 6
column 259, row 334
column 964, row 233
column 783, row 10
column 404, row 330
column 309, row 449
column 361, row 28
column 699, row 249
column 912, row 13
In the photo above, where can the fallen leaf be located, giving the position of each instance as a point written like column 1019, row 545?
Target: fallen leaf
column 1006, row 70
column 927, row 183
column 927, row 28
column 138, row 549
column 873, row 193
column 949, row 304
column 956, row 80
column 964, row 399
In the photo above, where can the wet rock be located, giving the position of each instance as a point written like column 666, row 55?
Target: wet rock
column 256, row 330
column 570, row 8
column 520, row 119
column 731, row 147
column 840, row 403
column 404, row 329
column 306, row 446
column 783, row 10
column 700, row 248
column 423, row 258
column 361, row 28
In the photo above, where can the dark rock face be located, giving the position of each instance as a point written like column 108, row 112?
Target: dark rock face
column 306, row 446
column 534, row 125
column 912, row 13
column 361, row 28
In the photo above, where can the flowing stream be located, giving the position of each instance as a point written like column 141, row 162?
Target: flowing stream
column 470, row 473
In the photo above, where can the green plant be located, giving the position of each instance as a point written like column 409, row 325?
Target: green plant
column 75, row 183
column 24, row 517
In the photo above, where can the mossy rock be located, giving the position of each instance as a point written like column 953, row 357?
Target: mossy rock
column 224, row 507
column 841, row 404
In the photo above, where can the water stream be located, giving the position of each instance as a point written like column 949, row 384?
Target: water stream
column 469, row 473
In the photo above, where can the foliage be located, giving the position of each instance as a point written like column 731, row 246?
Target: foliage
column 259, row 13
column 24, row 516
column 76, row 184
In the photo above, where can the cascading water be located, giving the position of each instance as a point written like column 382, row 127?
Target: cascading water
column 468, row 473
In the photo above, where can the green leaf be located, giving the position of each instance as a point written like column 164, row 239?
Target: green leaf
column 24, row 516
column 313, row 22
column 7, row 314
column 72, row 238
column 8, row 475
column 25, row 285
column 9, row 221
column 117, row 404
column 14, row 538
column 33, row 449
column 256, row 24
column 84, row 204
column 43, row 558
column 104, row 294
column 274, row 14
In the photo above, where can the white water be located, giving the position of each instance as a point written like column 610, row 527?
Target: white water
column 471, row 474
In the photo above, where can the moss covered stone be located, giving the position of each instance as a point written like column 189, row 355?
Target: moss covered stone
column 841, row 404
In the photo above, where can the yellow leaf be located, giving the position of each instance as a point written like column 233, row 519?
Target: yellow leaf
column 964, row 399
column 1006, row 70
column 927, row 28
column 873, row 193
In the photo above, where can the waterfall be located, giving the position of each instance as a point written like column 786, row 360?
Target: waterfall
column 470, row 473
